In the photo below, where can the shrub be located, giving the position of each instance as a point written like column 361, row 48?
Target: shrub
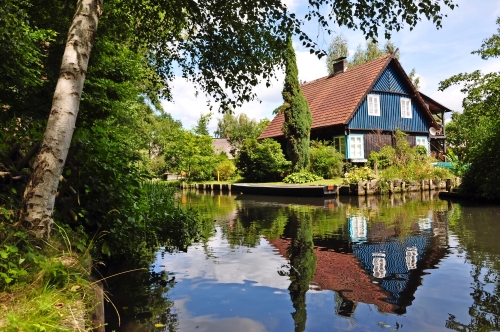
column 415, row 171
column 225, row 170
column 301, row 177
column 359, row 174
column 262, row 161
column 326, row 161
column 383, row 158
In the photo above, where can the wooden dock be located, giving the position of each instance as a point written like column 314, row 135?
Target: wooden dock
column 283, row 190
column 266, row 189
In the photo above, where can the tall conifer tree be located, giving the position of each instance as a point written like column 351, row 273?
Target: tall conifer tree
column 298, row 119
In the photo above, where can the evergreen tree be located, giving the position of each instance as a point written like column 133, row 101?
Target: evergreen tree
column 201, row 127
column 298, row 119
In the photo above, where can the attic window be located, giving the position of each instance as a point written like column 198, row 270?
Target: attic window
column 373, row 105
column 406, row 108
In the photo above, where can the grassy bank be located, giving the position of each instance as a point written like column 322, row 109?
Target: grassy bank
column 45, row 285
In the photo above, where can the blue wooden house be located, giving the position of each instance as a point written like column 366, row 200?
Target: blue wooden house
column 360, row 108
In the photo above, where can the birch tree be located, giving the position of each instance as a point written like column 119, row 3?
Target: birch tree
column 40, row 193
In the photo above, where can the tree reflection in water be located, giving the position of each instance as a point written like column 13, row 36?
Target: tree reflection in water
column 302, row 263
column 477, row 231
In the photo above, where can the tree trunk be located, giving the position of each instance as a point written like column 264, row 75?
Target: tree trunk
column 39, row 196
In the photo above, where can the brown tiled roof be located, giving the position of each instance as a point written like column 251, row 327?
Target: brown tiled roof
column 333, row 99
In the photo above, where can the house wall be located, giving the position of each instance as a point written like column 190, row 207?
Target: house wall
column 390, row 115
column 390, row 81
column 391, row 88
column 375, row 140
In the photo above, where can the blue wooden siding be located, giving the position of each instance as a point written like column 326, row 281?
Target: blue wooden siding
column 397, row 278
column 390, row 81
column 390, row 116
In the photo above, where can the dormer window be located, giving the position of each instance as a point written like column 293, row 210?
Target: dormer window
column 373, row 105
column 406, row 108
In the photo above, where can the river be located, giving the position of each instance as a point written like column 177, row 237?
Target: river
column 409, row 263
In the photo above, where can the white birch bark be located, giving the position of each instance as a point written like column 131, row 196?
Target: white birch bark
column 39, row 196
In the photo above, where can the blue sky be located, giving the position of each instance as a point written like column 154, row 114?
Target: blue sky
column 435, row 54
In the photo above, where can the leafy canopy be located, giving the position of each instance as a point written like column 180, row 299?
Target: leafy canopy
column 237, row 128
column 476, row 132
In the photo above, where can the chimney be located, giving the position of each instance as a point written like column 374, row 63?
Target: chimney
column 339, row 66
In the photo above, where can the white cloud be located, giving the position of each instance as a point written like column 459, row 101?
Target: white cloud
column 291, row 4
column 310, row 67
column 237, row 266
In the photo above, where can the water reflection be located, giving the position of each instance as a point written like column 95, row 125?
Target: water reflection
column 409, row 262
column 302, row 262
column 477, row 229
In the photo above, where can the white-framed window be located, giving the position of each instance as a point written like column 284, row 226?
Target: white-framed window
column 406, row 108
column 356, row 147
column 339, row 144
column 373, row 105
column 423, row 141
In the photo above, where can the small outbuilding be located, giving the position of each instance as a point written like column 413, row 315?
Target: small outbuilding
column 222, row 145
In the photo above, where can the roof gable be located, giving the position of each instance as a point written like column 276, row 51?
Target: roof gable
column 390, row 81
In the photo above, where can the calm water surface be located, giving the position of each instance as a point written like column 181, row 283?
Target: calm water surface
column 409, row 263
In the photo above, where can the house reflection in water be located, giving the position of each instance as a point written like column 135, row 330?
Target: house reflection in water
column 376, row 264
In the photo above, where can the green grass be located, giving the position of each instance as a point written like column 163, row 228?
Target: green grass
column 55, row 294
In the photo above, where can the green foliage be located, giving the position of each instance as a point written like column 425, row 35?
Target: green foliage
column 326, row 161
column 459, row 167
column 400, row 155
column 298, row 119
column 338, row 48
column 238, row 128
column 22, row 51
column 359, row 174
column 475, row 134
column 202, row 125
column 225, row 170
column 371, row 52
column 415, row 171
column 383, row 158
column 414, row 78
column 262, row 161
column 301, row 177
column 405, row 163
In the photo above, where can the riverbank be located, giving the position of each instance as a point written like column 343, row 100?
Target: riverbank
column 47, row 285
